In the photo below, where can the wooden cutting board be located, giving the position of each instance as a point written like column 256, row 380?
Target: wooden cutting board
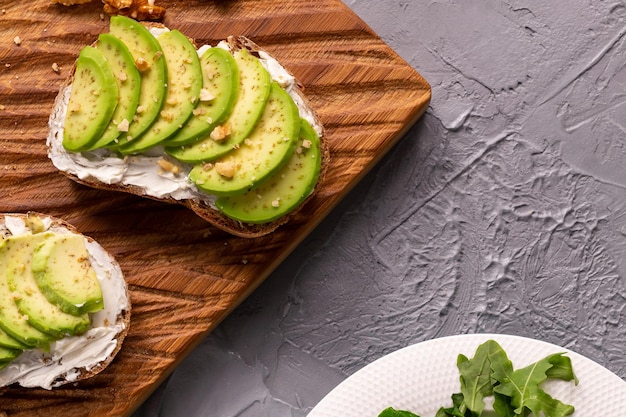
column 185, row 276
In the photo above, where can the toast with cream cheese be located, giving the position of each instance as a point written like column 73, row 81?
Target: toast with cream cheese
column 49, row 359
column 156, row 173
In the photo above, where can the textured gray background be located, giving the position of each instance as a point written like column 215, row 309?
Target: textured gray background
column 502, row 210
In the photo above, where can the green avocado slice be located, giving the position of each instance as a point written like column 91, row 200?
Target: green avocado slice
column 9, row 342
column 12, row 321
column 128, row 83
column 7, row 355
column 183, row 91
column 64, row 274
column 284, row 190
column 265, row 150
column 254, row 89
column 220, row 79
column 148, row 57
column 30, row 300
column 92, row 101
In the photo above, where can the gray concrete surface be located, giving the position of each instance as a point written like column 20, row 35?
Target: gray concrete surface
column 501, row 211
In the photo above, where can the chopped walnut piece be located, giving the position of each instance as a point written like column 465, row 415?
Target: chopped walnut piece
column 167, row 116
column 199, row 111
column 168, row 166
column 276, row 202
column 206, row 95
column 17, row 40
column 142, row 64
column 123, row 126
column 220, row 132
column 28, row 290
column 55, row 67
column 306, row 144
column 225, row 169
column 210, row 73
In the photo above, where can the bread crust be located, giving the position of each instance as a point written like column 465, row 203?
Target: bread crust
column 123, row 317
column 201, row 208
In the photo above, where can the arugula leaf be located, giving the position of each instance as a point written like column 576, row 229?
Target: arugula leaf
column 523, row 386
column 392, row 412
column 455, row 410
column 449, row 412
column 550, row 406
column 458, row 406
column 477, row 381
column 503, row 408
column 561, row 368
column 501, row 368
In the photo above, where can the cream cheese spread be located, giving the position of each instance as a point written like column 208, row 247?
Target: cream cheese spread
column 67, row 357
column 144, row 172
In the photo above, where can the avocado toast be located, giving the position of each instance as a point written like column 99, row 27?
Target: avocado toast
column 64, row 304
column 229, row 119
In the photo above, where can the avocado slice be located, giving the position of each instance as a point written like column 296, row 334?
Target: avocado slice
column 284, row 190
column 64, row 274
column 9, row 342
column 254, row 89
column 7, row 355
column 183, row 90
column 12, row 321
column 220, row 79
column 128, row 84
column 30, row 300
column 148, row 57
column 265, row 150
column 92, row 101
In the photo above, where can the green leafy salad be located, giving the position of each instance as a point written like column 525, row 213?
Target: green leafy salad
column 514, row 392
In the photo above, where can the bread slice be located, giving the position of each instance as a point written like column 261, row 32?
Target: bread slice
column 169, row 187
column 79, row 357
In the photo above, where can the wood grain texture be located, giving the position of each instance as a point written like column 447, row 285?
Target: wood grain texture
column 184, row 275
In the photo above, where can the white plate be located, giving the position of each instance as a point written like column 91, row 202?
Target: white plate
column 420, row 378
